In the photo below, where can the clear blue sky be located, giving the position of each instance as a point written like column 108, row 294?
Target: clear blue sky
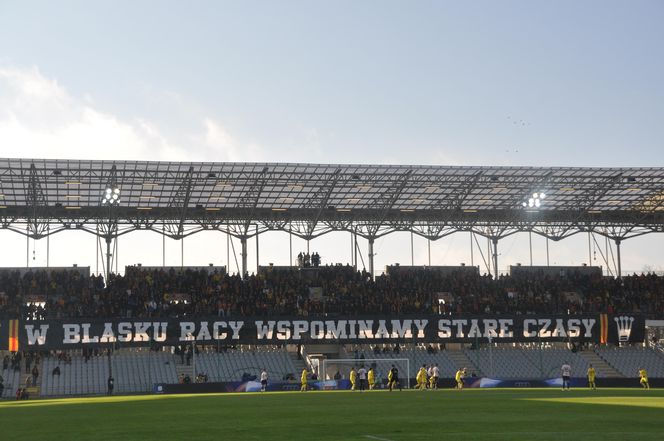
column 435, row 82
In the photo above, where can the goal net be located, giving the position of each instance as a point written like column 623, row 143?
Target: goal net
column 331, row 367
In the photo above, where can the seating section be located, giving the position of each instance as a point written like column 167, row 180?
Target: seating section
column 11, row 381
column 503, row 363
column 133, row 371
column 553, row 358
column 628, row 360
column 76, row 378
column 138, row 371
column 232, row 364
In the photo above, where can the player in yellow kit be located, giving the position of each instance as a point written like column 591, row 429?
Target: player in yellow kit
column 644, row 378
column 459, row 378
column 303, row 380
column 422, row 378
column 591, row 377
column 371, row 377
column 393, row 378
column 353, row 378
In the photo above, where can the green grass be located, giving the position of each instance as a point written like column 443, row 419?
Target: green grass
column 487, row 415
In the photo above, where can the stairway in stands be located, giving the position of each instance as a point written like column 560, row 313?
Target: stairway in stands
column 33, row 389
column 603, row 369
column 299, row 364
column 183, row 369
column 461, row 360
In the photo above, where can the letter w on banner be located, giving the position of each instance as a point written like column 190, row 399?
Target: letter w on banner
column 13, row 335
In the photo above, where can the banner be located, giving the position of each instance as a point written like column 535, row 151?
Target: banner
column 62, row 334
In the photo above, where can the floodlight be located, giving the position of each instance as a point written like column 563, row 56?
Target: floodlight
column 535, row 201
column 111, row 196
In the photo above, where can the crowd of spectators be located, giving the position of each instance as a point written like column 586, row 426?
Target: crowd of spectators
column 38, row 294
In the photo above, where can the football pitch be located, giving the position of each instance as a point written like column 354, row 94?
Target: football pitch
column 474, row 414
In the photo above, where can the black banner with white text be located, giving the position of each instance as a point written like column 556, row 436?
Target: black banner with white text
column 63, row 334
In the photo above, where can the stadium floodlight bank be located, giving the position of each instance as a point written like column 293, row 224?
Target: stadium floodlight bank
column 328, row 368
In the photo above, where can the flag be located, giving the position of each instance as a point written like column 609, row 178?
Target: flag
column 604, row 328
column 13, row 335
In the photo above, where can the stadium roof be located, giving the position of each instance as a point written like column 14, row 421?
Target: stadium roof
column 43, row 196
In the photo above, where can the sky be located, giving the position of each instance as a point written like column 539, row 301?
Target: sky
column 565, row 83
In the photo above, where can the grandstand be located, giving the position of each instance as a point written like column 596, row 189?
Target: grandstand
column 308, row 200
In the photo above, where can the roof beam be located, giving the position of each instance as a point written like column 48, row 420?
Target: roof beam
column 386, row 201
column 320, row 199
column 250, row 199
column 36, row 200
column 180, row 201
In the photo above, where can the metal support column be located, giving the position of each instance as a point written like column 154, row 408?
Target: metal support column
column 472, row 257
column 547, row 251
column 618, row 258
column 412, row 250
column 590, row 254
column 352, row 251
column 429, row 250
column 108, row 256
column 257, row 251
column 488, row 255
column 182, row 252
column 530, row 244
column 371, row 257
column 97, row 248
column 355, row 250
column 495, row 256
column 243, row 241
column 290, row 245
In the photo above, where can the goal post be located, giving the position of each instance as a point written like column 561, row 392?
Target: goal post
column 329, row 367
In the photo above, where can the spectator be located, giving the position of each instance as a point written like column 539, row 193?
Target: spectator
column 35, row 374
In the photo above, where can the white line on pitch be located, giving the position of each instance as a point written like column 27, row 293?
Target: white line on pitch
column 377, row 438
